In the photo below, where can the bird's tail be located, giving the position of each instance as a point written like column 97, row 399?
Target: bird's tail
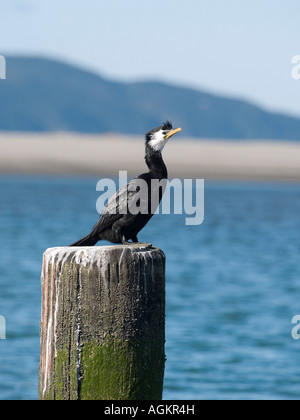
column 86, row 241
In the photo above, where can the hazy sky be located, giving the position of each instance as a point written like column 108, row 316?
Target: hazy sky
column 243, row 48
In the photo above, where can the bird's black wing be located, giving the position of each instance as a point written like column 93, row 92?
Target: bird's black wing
column 118, row 206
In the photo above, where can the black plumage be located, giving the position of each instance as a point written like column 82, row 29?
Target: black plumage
column 117, row 223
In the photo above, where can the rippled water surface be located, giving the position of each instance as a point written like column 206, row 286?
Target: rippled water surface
column 233, row 285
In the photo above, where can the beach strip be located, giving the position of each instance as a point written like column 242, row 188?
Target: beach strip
column 106, row 155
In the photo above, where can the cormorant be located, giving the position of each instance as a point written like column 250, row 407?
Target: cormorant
column 117, row 224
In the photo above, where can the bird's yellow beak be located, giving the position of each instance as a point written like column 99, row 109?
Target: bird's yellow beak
column 172, row 132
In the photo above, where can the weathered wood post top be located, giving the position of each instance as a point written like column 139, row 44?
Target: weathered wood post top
column 103, row 323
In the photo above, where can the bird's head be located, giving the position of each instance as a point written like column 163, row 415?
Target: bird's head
column 158, row 137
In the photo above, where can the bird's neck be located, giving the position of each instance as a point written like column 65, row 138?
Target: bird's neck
column 155, row 164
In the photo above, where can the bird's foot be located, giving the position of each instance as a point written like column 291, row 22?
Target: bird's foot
column 125, row 242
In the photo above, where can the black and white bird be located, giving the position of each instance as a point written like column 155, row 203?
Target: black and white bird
column 117, row 223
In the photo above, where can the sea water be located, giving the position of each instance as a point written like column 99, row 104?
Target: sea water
column 233, row 285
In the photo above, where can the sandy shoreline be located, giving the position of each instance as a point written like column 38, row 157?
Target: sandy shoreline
column 105, row 155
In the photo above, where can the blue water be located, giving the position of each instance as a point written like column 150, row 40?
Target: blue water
column 233, row 285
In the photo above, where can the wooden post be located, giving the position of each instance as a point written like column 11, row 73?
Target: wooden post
column 103, row 323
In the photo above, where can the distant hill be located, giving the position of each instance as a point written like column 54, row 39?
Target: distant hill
column 47, row 95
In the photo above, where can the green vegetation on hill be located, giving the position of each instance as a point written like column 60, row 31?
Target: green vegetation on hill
column 46, row 95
